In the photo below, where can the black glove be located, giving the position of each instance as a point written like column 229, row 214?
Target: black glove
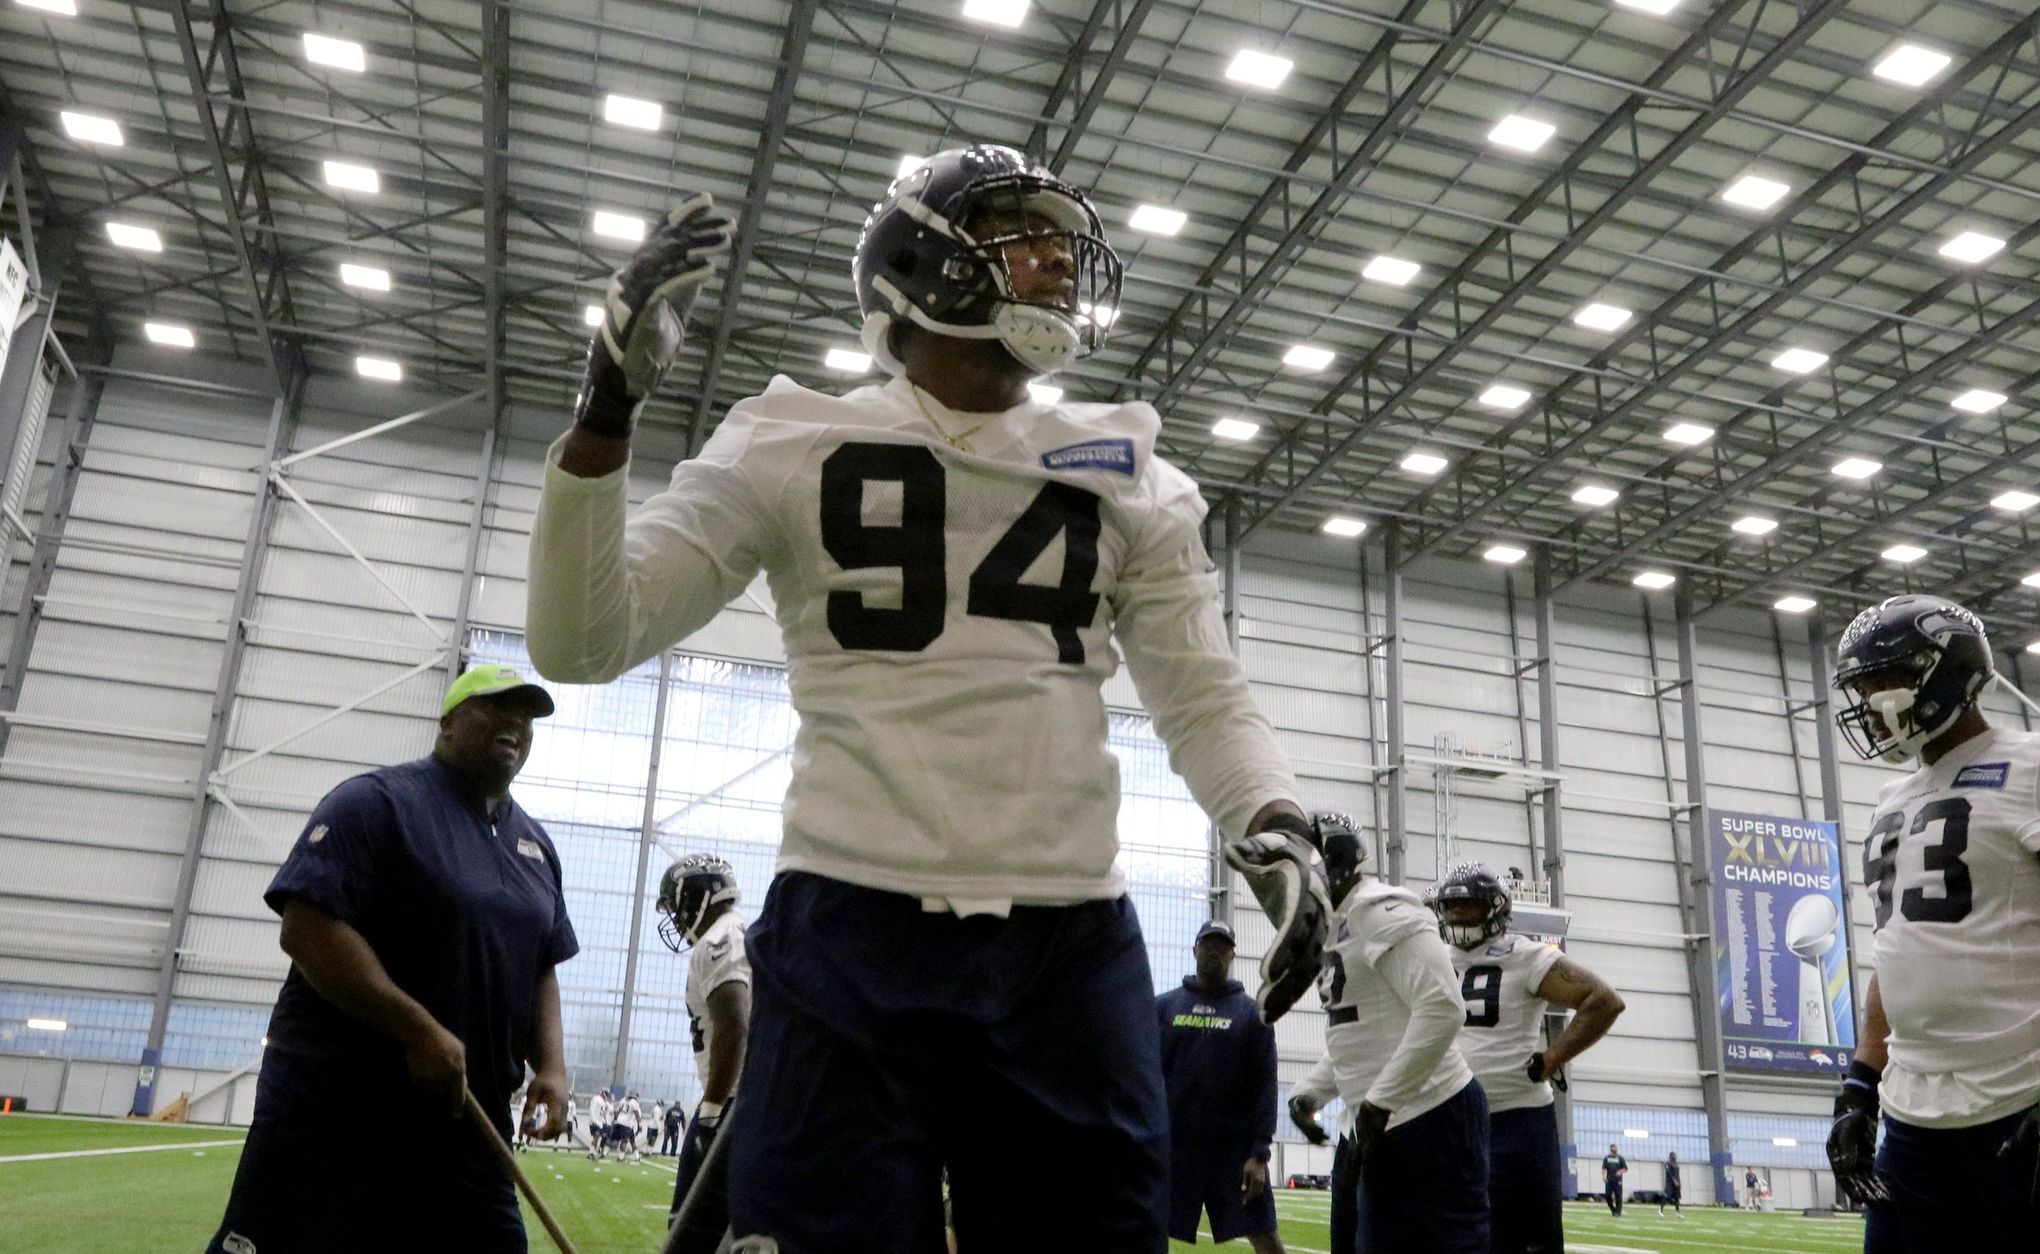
column 1282, row 866
column 644, row 315
column 1303, row 1113
column 1852, row 1137
column 2025, row 1142
column 1535, row 1070
column 1370, row 1129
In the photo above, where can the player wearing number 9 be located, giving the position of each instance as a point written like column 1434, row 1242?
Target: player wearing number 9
column 951, row 564
column 1950, row 1048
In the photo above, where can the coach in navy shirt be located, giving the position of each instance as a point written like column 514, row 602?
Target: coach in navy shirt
column 423, row 917
column 1218, row 1061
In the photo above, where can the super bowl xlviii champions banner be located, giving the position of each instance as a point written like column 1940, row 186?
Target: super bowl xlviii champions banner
column 1781, row 952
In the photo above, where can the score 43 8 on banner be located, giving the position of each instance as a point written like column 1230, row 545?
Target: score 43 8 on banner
column 1781, row 948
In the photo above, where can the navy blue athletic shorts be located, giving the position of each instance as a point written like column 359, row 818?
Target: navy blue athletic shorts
column 1425, row 1190
column 1524, row 1182
column 1206, row 1179
column 888, row 1042
column 1950, row 1192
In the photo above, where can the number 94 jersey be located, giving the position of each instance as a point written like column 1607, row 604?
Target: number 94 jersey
column 1952, row 864
column 1504, row 1016
column 949, row 619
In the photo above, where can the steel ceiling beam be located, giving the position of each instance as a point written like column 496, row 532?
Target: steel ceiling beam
column 285, row 358
column 1122, row 44
column 1377, row 60
column 1036, row 146
column 786, row 81
column 495, row 199
column 1532, row 279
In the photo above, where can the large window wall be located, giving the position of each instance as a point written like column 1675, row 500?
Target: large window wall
column 724, row 761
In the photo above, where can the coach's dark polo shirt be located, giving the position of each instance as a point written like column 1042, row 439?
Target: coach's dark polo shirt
column 462, row 905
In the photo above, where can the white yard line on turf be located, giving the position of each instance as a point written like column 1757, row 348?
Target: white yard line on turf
column 1573, row 1247
column 125, row 1149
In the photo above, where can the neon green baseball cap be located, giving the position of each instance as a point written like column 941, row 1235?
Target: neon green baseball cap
column 493, row 678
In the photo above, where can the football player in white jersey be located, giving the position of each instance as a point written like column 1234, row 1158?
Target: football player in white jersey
column 952, row 564
column 599, row 1111
column 1950, row 1048
column 1507, row 980
column 697, row 910
column 1393, row 1011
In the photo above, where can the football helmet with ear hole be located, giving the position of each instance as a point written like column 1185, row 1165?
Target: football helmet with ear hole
column 928, row 256
column 1475, row 882
column 1910, row 665
column 686, row 891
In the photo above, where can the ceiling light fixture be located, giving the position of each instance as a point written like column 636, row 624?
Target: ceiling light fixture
column 1794, row 604
column 1799, row 361
column 1753, row 191
column 1425, row 464
column 1008, row 13
column 1910, row 64
column 374, row 278
column 1504, row 554
column 1521, row 133
column 140, row 238
column 639, row 115
column 63, row 8
column 1259, row 69
column 1503, row 396
column 2014, row 502
column 380, row 368
column 349, row 177
column 1857, row 467
column 1308, row 357
column 1235, row 429
column 1903, row 553
column 1971, row 247
column 1977, row 401
column 1393, row 271
column 624, row 226
column 1600, row 317
column 1654, row 580
column 91, row 128
column 1754, row 525
column 1344, row 527
column 340, row 54
column 169, row 335
column 591, row 315
column 1157, row 219
column 847, row 361
column 1594, row 496
column 1688, row 433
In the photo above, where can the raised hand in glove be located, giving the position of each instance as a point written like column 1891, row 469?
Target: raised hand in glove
column 1281, row 865
column 2024, row 1144
column 1303, row 1113
column 1852, row 1137
column 644, row 313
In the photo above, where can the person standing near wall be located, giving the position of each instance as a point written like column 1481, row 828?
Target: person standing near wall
column 1674, row 1188
column 1749, row 1188
column 1613, row 1168
column 1218, row 1068
column 423, row 916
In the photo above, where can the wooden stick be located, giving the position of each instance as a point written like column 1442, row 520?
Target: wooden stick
column 508, row 1157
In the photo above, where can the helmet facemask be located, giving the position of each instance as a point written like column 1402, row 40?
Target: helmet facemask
column 687, row 891
column 1883, row 720
column 1470, row 883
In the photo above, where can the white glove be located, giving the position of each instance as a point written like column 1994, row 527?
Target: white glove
column 645, row 312
column 1282, row 866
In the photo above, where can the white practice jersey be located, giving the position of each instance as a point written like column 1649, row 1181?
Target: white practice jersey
column 716, row 959
column 1385, row 968
column 949, row 620
column 1498, row 981
column 1950, row 860
column 633, row 1115
column 599, row 1110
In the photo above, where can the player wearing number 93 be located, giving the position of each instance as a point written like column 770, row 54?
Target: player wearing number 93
column 1951, row 1039
column 947, row 945
column 1507, row 980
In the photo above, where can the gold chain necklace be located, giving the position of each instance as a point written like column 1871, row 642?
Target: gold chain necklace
column 954, row 441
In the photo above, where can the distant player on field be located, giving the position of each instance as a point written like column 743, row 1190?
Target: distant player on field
column 1507, row 980
column 1951, row 1025
column 952, row 563
column 1393, row 1012
column 1218, row 1066
column 1674, row 1188
column 600, row 1110
column 697, row 909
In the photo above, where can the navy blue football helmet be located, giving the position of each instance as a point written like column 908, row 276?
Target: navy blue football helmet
column 1475, row 882
column 935, row 252
column 1911, row 665
column 1340, row 845
column 686, row 891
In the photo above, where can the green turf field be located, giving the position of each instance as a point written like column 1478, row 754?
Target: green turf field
column 169, row 1199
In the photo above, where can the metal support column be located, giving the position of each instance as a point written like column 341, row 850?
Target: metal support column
column 1392, row 658
column 1221, row 876
column 1696, row 899
column 1369, row 643
column 282, row 421
column 24, row 363
column 1831, row 777
column 649, row 826
column 86, row 389
column 456, row 652
column 1551, row 800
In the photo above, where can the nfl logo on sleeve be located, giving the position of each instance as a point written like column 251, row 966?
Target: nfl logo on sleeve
column 1983, row 775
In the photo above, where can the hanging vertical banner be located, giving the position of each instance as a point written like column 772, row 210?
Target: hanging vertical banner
column 1781, row 949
